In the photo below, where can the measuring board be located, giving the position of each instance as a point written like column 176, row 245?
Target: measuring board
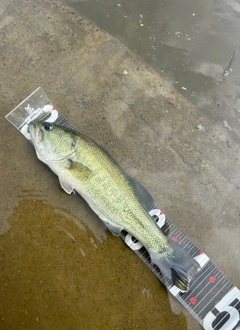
column 211, row 299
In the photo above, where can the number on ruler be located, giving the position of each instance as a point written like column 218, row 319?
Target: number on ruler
column 226, row 314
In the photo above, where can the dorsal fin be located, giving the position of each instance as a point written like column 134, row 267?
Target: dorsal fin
column 143, row 195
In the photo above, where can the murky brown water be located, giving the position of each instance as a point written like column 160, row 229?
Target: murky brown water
column 55, row 275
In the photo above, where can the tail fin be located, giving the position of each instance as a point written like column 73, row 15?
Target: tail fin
column 176, row 264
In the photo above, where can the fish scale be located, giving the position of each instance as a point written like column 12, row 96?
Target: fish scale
column 110, row 176
column 86, row 168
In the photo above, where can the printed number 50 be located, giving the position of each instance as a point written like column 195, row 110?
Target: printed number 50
column 225, row 315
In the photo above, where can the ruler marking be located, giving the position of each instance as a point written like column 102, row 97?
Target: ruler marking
column 212, row 298
column 202, row 278
column 205, row 296
column 201, row 281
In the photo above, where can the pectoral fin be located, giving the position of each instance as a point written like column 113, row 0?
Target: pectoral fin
column 78, row 170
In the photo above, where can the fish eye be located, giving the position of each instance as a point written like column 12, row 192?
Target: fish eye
column 48, row 127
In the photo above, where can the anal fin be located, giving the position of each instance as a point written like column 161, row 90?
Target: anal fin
column 113, row 229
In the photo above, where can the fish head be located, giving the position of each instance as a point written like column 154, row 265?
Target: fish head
column 52, row 142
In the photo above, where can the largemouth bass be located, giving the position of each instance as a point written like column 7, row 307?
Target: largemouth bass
column 120, row 202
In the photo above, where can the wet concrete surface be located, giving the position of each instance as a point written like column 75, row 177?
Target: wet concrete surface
column 60, row 268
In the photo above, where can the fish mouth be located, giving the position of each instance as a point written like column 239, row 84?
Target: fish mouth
column 35, row 132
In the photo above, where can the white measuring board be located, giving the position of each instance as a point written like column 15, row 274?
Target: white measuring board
column 211, row 299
